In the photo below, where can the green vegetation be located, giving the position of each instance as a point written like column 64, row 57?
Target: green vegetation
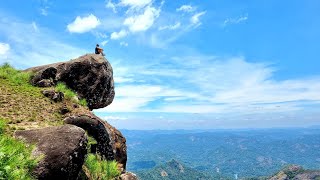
column 83, row 102
column 69, row 94
column 16, row 161
column 97, row 168
column 14, row 76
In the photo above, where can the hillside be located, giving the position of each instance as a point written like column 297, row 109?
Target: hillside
column 46, row 118
column 25, row 107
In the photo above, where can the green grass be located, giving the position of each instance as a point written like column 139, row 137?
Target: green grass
column 69, row 94
column 97, row 168
column 16, row 161
column 14, row 76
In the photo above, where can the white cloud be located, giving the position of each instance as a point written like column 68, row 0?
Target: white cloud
column 83, row 24
column 119, row 35
column 103, row 43
column 233, row 85
column 235, row 20
column 4, row 48
column 112, row 6
column 124, row 44
column 38, row 48
column 44, row 11
column 119, row 79
column 135, row 3
column 35, row 27
column 113, row 118
column 170, row 27
column 144, row 21
column 186, row 8
column 195, row 18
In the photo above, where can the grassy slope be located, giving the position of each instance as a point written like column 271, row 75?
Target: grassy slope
column 24, row 106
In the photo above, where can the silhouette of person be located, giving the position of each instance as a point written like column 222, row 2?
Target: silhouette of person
column 99, row 50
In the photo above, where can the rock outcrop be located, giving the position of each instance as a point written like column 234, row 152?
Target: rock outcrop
column 63, row 149
column 110, row 142
column 91, row 76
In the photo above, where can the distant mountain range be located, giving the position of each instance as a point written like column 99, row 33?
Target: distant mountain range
column 229, row 153
column 173, row 170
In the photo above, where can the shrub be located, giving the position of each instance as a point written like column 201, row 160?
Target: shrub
column 16, row 161
column 97, row 168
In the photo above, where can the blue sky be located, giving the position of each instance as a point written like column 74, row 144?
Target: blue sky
column 182, row 64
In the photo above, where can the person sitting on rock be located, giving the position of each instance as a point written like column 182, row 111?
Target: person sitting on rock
column 99, row 50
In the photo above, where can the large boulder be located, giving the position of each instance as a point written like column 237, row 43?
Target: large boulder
column 111, row 144
column 63, row 149
column 91, row 76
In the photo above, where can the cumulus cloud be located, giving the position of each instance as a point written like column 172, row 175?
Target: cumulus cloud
column 195, row 18
column 4, row 49
column 83, row 24
column 235, row 20
column 144, row 21
column 186, row 8
column 112, row 6
column 170, row 27
column 119, row 35
column 42, row 47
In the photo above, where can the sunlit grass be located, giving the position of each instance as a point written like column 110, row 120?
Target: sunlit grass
column 97, row 168
column 14, row 76
column 16, row 160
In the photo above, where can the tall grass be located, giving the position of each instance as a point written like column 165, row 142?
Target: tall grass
column 97, row 168
column 69, row 94
column 16, row 161
column 13, row 75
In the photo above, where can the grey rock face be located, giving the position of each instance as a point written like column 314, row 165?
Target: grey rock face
column 111, row 144
column 63, row 149
column 91, row 76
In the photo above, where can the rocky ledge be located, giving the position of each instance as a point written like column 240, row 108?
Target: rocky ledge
column 91, row 76
column 64, row 148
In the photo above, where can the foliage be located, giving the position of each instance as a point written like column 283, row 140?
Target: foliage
column 97, row 168
column 13, row 75
column 16, row 161
column 70, row 94
column 83, row 102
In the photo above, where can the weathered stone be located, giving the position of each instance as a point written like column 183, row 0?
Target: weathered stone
column 111, row 144
column 64, row 110
column 91, row 76
column 45, row 83
column 63, row 148
column 128, row 176
column 55, row 96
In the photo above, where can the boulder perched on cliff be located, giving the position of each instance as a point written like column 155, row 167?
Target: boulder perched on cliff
column 91, row 76
column 111, row 144
column 63, row 149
